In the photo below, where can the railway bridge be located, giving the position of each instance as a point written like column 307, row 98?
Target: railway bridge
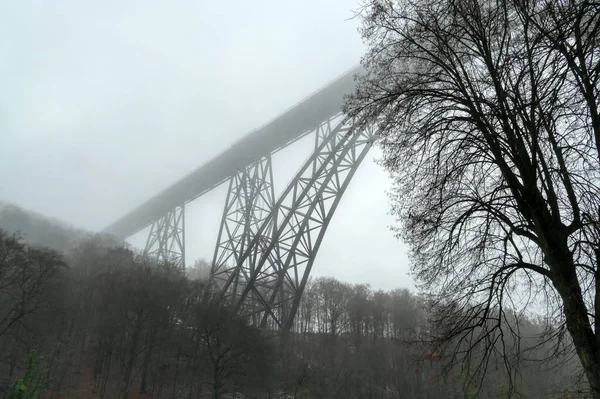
column 266, row 246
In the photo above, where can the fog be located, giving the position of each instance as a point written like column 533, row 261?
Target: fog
column 104, row 104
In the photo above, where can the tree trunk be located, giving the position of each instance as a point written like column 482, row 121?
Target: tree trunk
column 130, row 363
column 566, row 283
column 216, row 386
column 176, row 374
column 106, row 375
column 146, row 367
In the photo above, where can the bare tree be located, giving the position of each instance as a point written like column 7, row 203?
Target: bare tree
column 490, row 125
column 236, row 354
column 26, row 276
column 199, row 271
column 30, row 279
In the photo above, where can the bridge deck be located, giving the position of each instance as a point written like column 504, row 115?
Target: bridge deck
column 274, row 135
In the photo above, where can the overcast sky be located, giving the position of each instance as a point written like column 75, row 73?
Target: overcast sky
column 105, row 103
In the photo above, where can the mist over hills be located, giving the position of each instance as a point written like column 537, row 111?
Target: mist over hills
column 40, row 230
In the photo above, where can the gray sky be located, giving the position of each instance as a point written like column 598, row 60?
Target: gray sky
column 105, row 103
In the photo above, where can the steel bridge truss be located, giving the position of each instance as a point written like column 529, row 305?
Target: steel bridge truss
column 250, row 200
column 266, row 249
column 166, row 239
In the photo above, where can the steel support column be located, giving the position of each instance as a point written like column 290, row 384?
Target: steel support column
column 250, row 199
column 166, row 240
column 297, row 225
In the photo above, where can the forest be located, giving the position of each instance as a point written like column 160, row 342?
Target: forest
column 98, row 320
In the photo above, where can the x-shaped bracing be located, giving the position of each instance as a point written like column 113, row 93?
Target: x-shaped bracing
column 266, row 249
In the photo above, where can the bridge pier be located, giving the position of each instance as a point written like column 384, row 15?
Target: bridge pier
column 250, row 199
column 297, row 224
column 166, row 239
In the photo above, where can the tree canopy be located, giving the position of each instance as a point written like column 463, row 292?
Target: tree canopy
column 490, row 126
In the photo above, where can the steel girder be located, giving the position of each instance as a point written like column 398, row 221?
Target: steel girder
column 166, row 240
column 284, row 247
column 250, row 199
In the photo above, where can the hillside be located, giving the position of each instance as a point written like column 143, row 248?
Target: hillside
column 39, row 230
